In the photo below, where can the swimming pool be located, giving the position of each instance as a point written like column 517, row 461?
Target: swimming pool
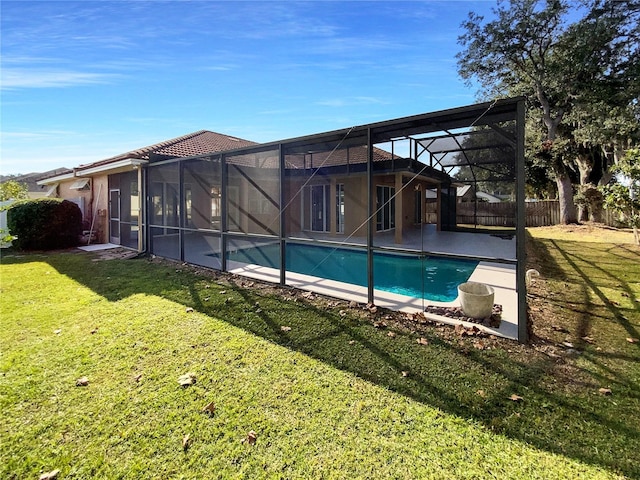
column 431, row 278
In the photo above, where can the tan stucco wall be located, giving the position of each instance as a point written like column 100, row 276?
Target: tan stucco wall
column 97, row 192
column 355, row 206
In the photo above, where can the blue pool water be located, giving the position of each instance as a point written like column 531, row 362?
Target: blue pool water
column 395, row 273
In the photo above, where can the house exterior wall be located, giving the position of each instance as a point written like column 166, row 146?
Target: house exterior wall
column 93, row 200
column 409, row 202
column 83, row 198
column 293, row 205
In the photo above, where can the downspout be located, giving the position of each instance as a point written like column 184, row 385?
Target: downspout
column 90, row 208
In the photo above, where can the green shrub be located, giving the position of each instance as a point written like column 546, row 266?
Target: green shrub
column 44, row 224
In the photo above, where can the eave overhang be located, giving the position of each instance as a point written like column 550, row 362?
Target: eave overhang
column 56, row 179
column 110, row 167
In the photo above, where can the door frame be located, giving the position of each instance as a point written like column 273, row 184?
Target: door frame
column 115, row 239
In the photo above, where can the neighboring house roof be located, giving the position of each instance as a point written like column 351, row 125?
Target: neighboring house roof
column 487, row 197
column 31, row 179
column 466, row 192
column 462, row 191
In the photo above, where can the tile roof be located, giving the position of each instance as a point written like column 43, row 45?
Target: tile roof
column 196, row 143
column 203, row 142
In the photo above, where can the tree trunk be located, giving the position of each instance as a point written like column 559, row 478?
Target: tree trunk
column 565, row 199
column 585, row 167
column 584, row 163
column 595, row 202
column 583, row 213
column 563, row 181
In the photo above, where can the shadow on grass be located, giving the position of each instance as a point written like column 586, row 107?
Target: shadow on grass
column 585, row 266
column 451, row 375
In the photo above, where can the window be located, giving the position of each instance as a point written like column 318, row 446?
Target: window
column 134, row 201
column 83, row 184
column 188, row 205
column 216, row 207
column 164, row 201
column 52, row 190
column 385, row 208
column 340, row 208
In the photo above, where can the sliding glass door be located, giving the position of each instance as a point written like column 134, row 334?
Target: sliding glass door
column 319, row 208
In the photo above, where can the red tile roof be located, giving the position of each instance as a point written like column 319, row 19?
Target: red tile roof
column 196, row 143
column 203, row 142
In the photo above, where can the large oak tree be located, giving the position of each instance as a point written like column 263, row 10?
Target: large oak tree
column 576, row 64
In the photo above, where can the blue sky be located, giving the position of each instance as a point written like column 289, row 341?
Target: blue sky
column 82, row 81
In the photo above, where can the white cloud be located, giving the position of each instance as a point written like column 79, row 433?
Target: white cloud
column 281, row 111
column 34, row 135
column 13, row 78
column 219, row 68
column 351, row 101
column 28, row 60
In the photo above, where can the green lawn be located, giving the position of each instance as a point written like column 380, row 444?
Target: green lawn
column 327, row 398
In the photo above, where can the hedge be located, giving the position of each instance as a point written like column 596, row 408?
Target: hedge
column 44, row 224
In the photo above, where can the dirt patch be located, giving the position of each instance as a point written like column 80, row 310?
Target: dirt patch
column 114, row 254
column 584, row 232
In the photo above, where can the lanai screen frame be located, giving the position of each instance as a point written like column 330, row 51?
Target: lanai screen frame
column 484, row 114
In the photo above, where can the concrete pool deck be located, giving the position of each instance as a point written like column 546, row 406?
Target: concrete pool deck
column 428, row 239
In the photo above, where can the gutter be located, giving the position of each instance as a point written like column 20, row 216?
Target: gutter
column 79, row 172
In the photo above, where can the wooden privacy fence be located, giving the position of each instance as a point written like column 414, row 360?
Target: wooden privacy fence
column 542, row 214
column 501, row 214
column 537, row 214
